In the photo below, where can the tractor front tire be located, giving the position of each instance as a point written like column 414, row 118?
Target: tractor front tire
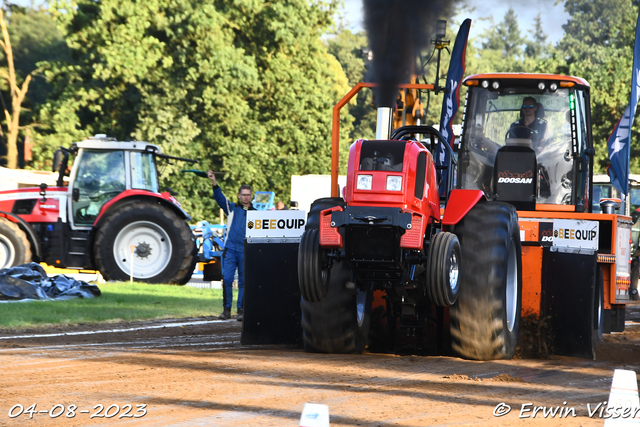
column 485, row 320
column 164, row 247
column 443, row 269
column 15, row 248
column 312, row 276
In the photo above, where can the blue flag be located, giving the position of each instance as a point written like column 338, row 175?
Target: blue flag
column 619, row 140
column 451, row 100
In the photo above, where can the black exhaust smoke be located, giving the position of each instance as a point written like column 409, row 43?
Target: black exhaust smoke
column 397, row 31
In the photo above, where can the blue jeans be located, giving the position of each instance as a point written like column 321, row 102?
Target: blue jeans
column 232, row 260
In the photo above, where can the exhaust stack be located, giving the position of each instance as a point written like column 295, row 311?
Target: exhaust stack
column 383, row 124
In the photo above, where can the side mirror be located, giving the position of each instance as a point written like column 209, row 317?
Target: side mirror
column 75, row 194
column 57, row 159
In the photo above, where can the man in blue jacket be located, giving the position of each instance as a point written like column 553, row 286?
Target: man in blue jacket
column 233, row 256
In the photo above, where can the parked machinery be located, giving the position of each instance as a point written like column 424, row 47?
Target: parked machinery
column 111, row 214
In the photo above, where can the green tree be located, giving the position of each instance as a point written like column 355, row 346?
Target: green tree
column 31, row 36
column 598, row 46
column 505, row 37
column 538, row 47
column 244, row 86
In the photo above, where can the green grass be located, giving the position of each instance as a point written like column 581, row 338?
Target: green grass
column 120, row 301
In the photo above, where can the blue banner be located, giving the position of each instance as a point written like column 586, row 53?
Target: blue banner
column 619, row 140
column 451, row 100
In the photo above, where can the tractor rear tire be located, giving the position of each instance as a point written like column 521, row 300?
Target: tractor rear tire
column 15, row 248
column 340, row 323
column 485, row 321
column 164, row 244
column 598, row 310
column 635, row 275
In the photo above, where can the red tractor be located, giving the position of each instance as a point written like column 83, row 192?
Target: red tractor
column 512, row 240
column 389, row 234
column 110, row 215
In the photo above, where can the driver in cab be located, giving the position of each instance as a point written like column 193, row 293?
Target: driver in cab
column 530, row 125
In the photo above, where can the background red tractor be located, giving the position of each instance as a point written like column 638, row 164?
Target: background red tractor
column 111, row 204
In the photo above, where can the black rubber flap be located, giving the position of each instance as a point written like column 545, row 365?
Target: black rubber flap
column 568, row 302
column 271, row 294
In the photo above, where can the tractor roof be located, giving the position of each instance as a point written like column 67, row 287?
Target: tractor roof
column 528, row 76
column 634, row 179
column 102, row 142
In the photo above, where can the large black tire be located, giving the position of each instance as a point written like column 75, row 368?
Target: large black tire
column 443, row 269
column 15, row 248
column 340, row 323
column 164, row 244
column 635, row 275
column 598, row 310
column 312, row 277
column 485, row 321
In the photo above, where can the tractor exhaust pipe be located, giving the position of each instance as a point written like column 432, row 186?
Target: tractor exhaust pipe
column 383, row 125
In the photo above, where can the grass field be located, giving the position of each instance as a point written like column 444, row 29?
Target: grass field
column 119, row 302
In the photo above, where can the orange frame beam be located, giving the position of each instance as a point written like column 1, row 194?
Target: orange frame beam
column 335, row 131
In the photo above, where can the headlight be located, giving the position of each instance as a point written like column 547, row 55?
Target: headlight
column 394, row 183
column 364, row 182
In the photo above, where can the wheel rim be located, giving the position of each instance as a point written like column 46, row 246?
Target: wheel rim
column 152, row 252
column 511, row 291
column 7, row 252
column 454, row 271
column 361, row 298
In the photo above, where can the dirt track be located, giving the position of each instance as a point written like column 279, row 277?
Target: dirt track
column 199, row 374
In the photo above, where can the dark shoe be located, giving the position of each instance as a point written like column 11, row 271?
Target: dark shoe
column 226, row 314
column 240, row 315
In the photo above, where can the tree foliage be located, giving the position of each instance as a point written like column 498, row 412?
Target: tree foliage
column 598, row 46
column 247, row 86
column 244, row 86
column 29, row 35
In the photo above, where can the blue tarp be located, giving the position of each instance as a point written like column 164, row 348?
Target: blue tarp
column 30, row 281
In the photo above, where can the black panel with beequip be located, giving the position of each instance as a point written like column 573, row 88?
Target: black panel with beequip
column 515, row 176
column 271, row 294
column 568, row 301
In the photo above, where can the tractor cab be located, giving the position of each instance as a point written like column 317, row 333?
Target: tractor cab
column 527, row 141
column 103, row 169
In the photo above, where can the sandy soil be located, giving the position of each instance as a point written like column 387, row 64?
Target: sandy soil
column 199, row 374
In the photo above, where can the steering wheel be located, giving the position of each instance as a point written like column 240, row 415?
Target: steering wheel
column 518, row 131
column 483, row 148
column 98, row 195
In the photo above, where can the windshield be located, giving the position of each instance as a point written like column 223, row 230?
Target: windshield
column 100, row 177
column 541, row 121
column 143, row 172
